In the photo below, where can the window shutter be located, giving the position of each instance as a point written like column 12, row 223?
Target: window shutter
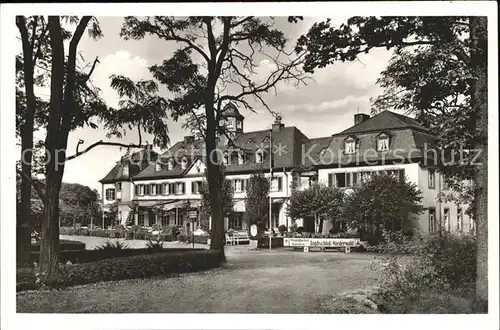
column 148, row 189
column 183, row 187
column 243, row 184
column 158, row 189
column 348, row 179
column 107, row 194
column 136, row 189
column 280, row 183
column 330, row 180
column 354, row 179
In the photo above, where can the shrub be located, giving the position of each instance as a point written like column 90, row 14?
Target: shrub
column 140, row 266
column 282, row 229
column 112, row 249
column 155, row 245
column 453, row 256
column 439, row 267
column 300, row 229
column 169, row 232
column 395, row 242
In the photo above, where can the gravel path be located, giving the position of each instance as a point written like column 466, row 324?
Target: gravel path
column 263, row 281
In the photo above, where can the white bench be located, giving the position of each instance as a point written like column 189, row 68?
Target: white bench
column 236, row 238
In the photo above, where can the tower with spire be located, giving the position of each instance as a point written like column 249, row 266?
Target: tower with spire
column 230, row 123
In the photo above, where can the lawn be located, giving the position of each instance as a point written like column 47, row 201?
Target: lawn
column 263, row 281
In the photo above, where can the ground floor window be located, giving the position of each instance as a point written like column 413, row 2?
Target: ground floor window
column 140, row 219
column 236, row 221
column 432, row 219
column 447, row 219
column 460, row 220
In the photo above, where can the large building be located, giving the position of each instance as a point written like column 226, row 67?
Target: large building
column 387, row 142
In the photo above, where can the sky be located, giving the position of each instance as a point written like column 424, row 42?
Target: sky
column 325, row 106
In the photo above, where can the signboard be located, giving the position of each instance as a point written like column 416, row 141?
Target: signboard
column 253, row 231
column 193, row 214
column 320, row 242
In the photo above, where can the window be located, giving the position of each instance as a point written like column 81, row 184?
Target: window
column 140, row 219
column 196, row 187
column 340, row 180
column 118, row 186
column 184, row 163
column 171, row 188
column 239, row 124
column 222, row 122
column 460, row 220
column 241, row 158
column 170, row 164
column 277, row 183
column 432, row 179
column 180, row 188
column 446, row 219
column 383, row 142
column 153, row 189
column 147, row 189
column 432, row 219
column 165, row 219
column 350, row 146
column 164, row 189
column 259, row 156
column 158, row 188
column 158, row 167
column 235, row 221
column 250, row 141
column 238, row 185
column 471, row 224
column 139, row 189
column 225, row 158
column 230, row 123
column 125, row 169
column 110, row 194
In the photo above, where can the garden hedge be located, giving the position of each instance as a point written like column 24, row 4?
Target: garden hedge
column 84, row 256
column 137, row 266
column 64, row 245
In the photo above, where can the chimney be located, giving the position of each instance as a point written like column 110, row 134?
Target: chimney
column 360, row 117
column 188, row 139
column 277, row 125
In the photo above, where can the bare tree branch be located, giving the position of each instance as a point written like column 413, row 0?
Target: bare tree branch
column 103, row 143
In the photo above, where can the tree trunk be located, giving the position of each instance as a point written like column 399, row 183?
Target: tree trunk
column 49, row 245
column 479, row 103
column 26, row 130
column 214, row 178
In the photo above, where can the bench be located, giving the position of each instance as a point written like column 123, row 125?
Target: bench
column 236, row 238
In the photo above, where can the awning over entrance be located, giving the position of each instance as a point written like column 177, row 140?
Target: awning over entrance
column 170, row 204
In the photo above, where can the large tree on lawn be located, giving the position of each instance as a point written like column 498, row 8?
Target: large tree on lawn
column 215, row 63
column 462, row 43
column 72, row 104
column 318, row 201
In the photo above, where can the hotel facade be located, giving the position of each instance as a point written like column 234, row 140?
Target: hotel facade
column 171, row 181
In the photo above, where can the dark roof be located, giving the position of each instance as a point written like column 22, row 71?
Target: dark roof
column 313, row 149
column 192, row 150
column 137, row 161
column 385, row 120
column 290, row 139
column 404, row 144
column 230, row 110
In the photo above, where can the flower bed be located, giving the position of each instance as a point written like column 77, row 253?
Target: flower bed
column 136, row 266
column 168, row 233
